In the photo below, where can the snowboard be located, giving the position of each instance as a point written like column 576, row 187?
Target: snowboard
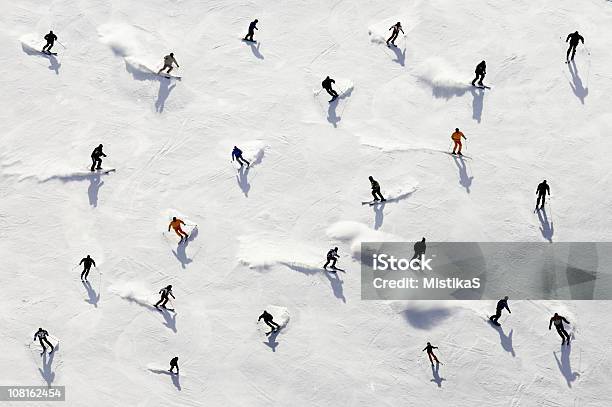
column 372, row 203
column 481, row 86
column 250, row 41
column 161, row 309
column 48, row 53
column 167, row 76
column 103, row 171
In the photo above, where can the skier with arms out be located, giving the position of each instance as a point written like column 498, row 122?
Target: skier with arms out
column 173, row 364
column 376, row 190
column 456, row 137
column 332, row 256
column 237, row 156
column 396, row 29
column 252, row 28
column 327, row 85
column 429, row 348
column 165, row 292
column 541, row 192
column 96, row 158
column 169, row 63
column 50, row 38
column 268, row 319
column 87, row 262
column 574, row 39
column 176, row 225
column 558, row 320
column 481, row 71
column 41, row 335
column 501, row 304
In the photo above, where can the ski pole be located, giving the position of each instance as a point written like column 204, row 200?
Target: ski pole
column 61, row 44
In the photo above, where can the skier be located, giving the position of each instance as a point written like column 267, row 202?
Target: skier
column 456, row 137
column 396, row 29
column 419, row 249
column 176, row 225
column 50, row 38
column 168, row 63
column 42, row 334
column 574, row 39
column 252, row 28
column 541, row 191
column 558, row 320
column 332, row 256
column 376, row 190
column 327, row 85
column 87, row 263
column 96, row 158
column 501, row 304
column 429, row 348
column 165, row 292
column 237, row 154
column 481, row 70
column 173, row 364
column 268, row 319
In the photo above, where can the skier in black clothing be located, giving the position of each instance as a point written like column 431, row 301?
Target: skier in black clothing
column 96, row 158
column 558, row 320
column 50, row 38
column 268, row 319
column 252, row 28
column 574, row 39
column 165, row 292
column 332, row 256
column 173, row 364
column 481, row 71
column 429, row 348
column 396, row 29
column 87, row 262
column 419, row 249
column 501, row 304
column 42, row 334
column 376, row 190
column 327, row 85
column 541, row 191
column 237, row 155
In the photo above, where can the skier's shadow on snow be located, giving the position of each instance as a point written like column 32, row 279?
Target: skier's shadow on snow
column 335, row 282
column 379, row 214
column 95, row 182
column 47, row 362
column 175, row 377
column 94, row 297
column 400, row 55
column 332, row 116
column 254, row 48
column 464, row 179
column 170, row 319
column 505, row 340
column 164, row 84
column 53, row 64
column 181, row 249
column 477, row 103
column 243, row 180
column 271, row 342
column 547, row 229
column 435, row 371
column 579, row 90
column 565, row 365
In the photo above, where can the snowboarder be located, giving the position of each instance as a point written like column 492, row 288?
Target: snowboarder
column 327, row 85
column 87, row 262
column 237, row 155
column 501, row 304
column 429, row 348
column 96, row 158
column 50, row 38
column 419, row 249
column 541, row 192
column 574, row 39
column 252, row 28
column 268, row 319
column 376, row 190
column 332, row 256
column 173, row 364
column 168, row 63
column 42, row 334
column 481, row 71
column 176, row 225
column 165, row 292
column 456, row 137
column 396, row 29
column 558, row 320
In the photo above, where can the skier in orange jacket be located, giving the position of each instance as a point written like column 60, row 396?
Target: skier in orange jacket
column 456, row 136
column 176, row 225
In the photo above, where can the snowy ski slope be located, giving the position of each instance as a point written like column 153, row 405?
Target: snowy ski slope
column 262, row 234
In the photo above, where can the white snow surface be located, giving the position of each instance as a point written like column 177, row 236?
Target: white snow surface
column 262, row 233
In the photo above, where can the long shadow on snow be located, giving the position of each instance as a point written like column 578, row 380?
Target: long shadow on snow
column 335, row 282
column 378, row 208
column 565, row 365
column 464, row 179
column 94, row 297
column 169, row 320
column 94, row 178
column 400, row 55
column 579, row 90
column 435, row 372
column 53, row 64
column 477, row 102
column 505, row 340
column 175, row 377
column 254, row 49
column 164, row 84
column 547, row 229
column 271, row 342
column 242, row 178
column 426, row 318
column 332, row 117
column 47, row 361
column 181, row 248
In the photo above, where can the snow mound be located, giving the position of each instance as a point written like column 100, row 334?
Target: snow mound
column 261, row 254
column 355, row 233
column 445, row 81
column 135, row 292
column 280, row 314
